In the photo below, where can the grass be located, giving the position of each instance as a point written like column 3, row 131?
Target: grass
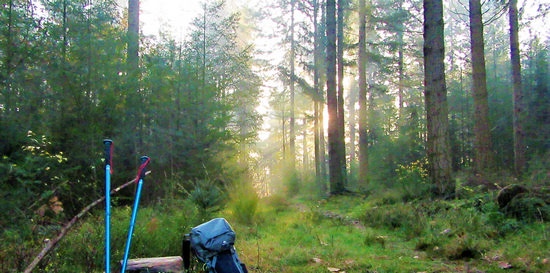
column 339, row 234
column 402, row 237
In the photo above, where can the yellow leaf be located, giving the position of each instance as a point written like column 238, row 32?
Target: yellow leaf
column 317, row 260
column 504, row 265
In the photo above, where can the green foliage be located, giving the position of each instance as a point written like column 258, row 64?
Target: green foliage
column 528, row 208
column 29, row 182
column 33, row 190
column 158, row 232
column 243, row 202
column 292, row 183
column 207, row 197
column 407, row 218
column 413, row 180
column 372, row 238
column 538, row 170
column 16, row 248
column 277, row 202
column 306, row 236
column 423, row 236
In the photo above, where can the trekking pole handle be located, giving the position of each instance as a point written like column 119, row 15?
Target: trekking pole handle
column 144, row 162
column 108, row 150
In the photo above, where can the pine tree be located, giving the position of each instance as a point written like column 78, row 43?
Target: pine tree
column 435, row 93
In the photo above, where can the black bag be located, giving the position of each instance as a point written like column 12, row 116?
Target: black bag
column 213, row 244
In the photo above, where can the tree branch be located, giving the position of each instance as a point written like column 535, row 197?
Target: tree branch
column 69, row 224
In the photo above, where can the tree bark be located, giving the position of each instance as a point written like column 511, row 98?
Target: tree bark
column 340, row 91
column 133, row 34
column 435, row 95
column 518, row 119
column 157, row 264
column 132, row 65
column 317, row 103
column 482, row 136
column 335, row 168
column 292, row 122
column 363, row 111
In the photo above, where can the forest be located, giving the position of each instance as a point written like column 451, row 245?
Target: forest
column 421, row 125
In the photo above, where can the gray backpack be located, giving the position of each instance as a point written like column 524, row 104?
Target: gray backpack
column 213, row 244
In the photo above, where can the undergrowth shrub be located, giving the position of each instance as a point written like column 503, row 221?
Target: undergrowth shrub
column 277, row 202
column 372, row 238
column 403, row 217
column 463, row 229
column 464, row 247
column 386, row 196
column 157, row 232
column 538, row 172
column 16, row 249
column 413, row 180
column 243, row 202
column 292, row 183
column 528, row 208
column 207, row 196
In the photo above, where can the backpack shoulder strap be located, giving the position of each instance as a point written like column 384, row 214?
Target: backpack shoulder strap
column 211, row 264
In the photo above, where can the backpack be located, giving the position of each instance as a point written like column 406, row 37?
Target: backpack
column 213, row 244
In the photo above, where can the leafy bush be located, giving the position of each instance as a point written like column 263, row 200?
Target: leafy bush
column 207, row 196
column 243, row 202
column 413, row 180
column 403, row 217
column 292, row 183
column 372, row 238
column 528, row 208
column 158, row 232
column 277, row 202
column 31, row 183
column 538, row 171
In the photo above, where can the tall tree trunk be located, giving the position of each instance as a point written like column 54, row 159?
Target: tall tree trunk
column 363, row 111
column 519, row 134
column 8, row 62
column 305, row 158
column 292, row 125
column 482, row 136
column 132, row 63
column 352, row 123
column 435, row 95
column 335, row 168
column 400, row 68
column 133, row 37
column 283, row 126
column 323, row 77
column 6, row 119
column 340, row 96
column 319, row 158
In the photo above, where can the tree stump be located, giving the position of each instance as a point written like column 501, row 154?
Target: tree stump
column 158, row 264
column 508, row 193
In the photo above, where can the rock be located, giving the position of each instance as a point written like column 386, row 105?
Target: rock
column 508, row 193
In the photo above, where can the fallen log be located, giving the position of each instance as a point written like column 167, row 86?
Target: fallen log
column 69, row 224
column 157, row 264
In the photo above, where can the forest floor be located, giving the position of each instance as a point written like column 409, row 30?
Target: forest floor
column 339, row 235
column 350, row 233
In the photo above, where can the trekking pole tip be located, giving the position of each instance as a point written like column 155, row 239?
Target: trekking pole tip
column 144, row 159
column 107, row 141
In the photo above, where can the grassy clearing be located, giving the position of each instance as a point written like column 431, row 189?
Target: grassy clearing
column 340, row 234
column 353, row 234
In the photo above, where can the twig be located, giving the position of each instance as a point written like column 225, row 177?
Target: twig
column 69, row 224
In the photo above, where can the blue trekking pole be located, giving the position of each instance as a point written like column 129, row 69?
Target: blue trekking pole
column 141, row 174
column 108, row 153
